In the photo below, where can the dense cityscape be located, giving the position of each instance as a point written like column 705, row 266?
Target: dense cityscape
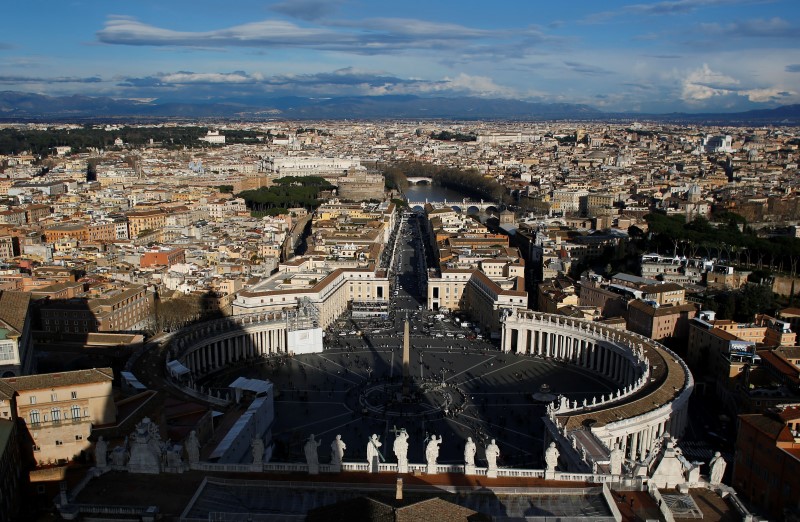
column 334, row 260
column 602, row 307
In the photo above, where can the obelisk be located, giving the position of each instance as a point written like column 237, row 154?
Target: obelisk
column 406, row 358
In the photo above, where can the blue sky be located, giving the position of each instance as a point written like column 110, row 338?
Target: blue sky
column 659, row 56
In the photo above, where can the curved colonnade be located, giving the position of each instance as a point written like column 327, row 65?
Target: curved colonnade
column 654, row 383
column 211, row 346
column 652, row 398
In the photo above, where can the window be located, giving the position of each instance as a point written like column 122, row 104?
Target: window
column 34, row 417
column 74, row 395
column 33, row 399
column 55, row 415
column 54, row 397
column 59, row 443
column 78, row 437
column 36, row 447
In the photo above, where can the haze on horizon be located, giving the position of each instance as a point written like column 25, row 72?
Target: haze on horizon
column 661, row 56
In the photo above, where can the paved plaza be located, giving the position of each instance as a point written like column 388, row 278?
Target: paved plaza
column 458, row 391
column 462, row 385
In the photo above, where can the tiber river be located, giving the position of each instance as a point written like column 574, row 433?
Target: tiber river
column 432, row 193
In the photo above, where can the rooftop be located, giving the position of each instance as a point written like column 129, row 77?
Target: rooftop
column 61, row 379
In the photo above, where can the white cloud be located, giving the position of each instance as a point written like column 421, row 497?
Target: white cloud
column 702, row 84
column 191, row 77
column 767, row 95
column 367, row 36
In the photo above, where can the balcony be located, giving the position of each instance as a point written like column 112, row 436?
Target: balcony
column 57, row 423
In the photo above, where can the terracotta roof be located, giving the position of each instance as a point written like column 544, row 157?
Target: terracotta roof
column 14, row 309
column 661, row 310
column 723, row 334
column 6, row 391
column 780, row 364
column 792, row 352
column 57, row 380
column 661, row 288
column 790, row 413
column 769, row 426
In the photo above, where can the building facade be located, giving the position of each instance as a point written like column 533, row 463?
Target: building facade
column 59, row 410
column 16, row 350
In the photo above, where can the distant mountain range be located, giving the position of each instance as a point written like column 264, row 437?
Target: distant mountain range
column 16, row 106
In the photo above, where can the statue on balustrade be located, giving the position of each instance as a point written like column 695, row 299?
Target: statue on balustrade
column 193, row 448
column 400, row 449
column 492, row 454
column 337, row 451
column 257, row 448
column 615, row 461
column 312, row 458
column 717, row 466
column 469, row 452
column 432, row 452
column 373, row 453
column 551, row 457
column 100, row 451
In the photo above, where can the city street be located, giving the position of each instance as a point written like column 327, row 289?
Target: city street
column 462, row 386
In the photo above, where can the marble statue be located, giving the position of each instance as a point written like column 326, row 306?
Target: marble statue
column 312, row 459
column 337, row 451
column 193, row 448
column 717, row 466
column 118, row 456
column 615, row 461
column 257, row 447
column 492, row 454
column 432, row 453
column 174, row 458
column 100, row 451
column 372, row 453
column 469, row 452
column 551, row 457
column 400, row 449
column 146, row 448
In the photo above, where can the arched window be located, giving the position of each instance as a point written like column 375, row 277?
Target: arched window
column 55, row 415
column 35, row 417
column 76, row 411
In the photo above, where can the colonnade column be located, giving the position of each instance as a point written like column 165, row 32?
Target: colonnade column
column 522, row 341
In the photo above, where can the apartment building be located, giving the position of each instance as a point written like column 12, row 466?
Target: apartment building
column 13, row 217
column 77, row 231
column 163, row 257
column 36, row 213
column 660, row 322
column 145, row 220
column 766, row 469
column 59, row 409
column 9, row 247
column 329, row 289
column 16, row 350
column 114, row 309
column 11, row 467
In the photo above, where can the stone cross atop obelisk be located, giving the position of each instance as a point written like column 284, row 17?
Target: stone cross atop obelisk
column 406, row 358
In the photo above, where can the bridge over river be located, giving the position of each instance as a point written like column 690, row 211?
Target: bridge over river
column 465, row 205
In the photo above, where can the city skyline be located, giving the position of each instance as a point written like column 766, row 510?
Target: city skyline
column 677, row 55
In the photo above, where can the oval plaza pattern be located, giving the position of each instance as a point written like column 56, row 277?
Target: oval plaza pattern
column 652, row 398
column 654, row 383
